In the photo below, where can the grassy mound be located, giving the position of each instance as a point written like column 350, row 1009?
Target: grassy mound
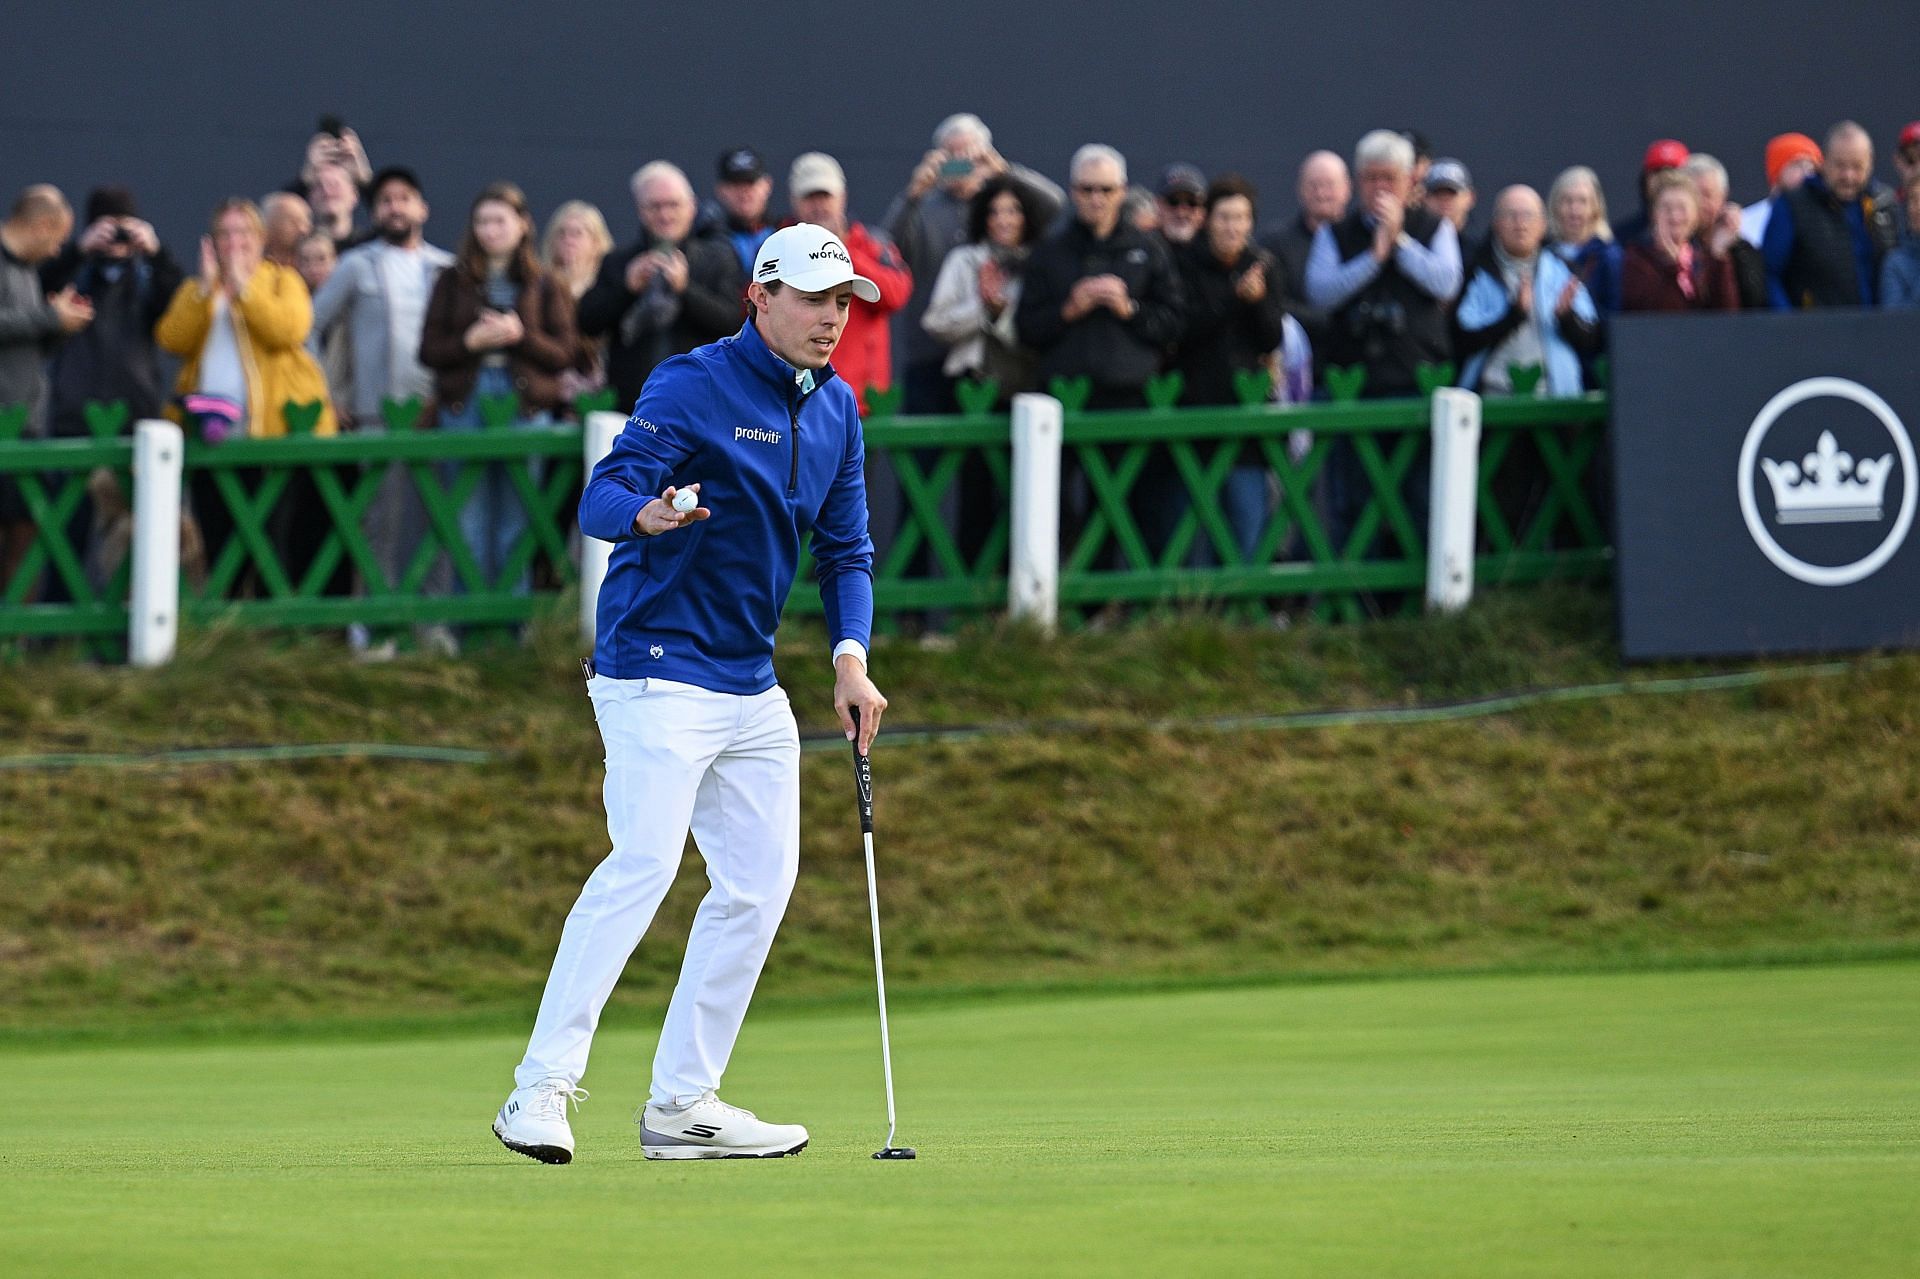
column 1780, row 821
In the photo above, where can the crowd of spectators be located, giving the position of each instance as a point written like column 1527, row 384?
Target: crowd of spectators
column 332, row 290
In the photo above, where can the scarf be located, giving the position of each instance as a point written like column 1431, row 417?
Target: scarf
column 1684, row 261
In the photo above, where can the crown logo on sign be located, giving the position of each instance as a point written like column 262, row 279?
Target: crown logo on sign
column 1828, row 486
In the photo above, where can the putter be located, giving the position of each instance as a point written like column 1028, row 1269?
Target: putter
column 863, row 787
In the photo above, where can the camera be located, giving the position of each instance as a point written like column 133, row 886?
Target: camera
column 121, row 236
column 1376, row 324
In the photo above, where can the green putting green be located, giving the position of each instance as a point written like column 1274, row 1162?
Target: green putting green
column 1740, row 1123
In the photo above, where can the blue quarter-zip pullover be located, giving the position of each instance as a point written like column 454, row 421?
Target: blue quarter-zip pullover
column 778, row 454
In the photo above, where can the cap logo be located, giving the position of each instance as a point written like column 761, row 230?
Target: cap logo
column 833, row 251
column 770, row 267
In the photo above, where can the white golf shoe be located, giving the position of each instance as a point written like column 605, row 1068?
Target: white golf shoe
column 711, row 1129
column 533, row 1122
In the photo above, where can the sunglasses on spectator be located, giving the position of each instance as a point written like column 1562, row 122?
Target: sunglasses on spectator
column 1094, row 188
column 1183, row 201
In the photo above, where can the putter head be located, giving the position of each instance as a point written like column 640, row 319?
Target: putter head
column 896, row 1152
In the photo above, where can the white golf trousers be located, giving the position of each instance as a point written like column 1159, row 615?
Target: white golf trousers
column 679, row 756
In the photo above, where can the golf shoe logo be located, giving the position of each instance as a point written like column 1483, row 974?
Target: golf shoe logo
column 706, row 1132
column 1839, row 471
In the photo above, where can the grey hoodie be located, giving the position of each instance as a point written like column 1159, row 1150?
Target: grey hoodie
column 380, row 293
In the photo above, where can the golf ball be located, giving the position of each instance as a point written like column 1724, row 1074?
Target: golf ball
column 685, row 500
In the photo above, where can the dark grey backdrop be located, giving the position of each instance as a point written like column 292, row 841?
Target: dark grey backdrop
column 193, row 100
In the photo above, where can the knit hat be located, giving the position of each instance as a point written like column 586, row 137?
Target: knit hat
column 1910, row 136
column 109, row 202
column 1784, row 150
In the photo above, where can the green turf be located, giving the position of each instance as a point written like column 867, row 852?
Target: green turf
column 1738, row 1123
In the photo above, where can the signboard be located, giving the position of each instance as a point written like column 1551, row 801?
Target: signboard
column 1765, row 482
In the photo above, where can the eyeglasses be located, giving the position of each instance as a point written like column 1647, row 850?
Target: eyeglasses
column 1183, row 201
column 1094, row 188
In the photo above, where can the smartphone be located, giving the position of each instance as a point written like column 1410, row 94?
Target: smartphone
column 332, row 125
column 957, row 167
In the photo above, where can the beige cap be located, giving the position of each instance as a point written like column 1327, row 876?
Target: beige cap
column 814, row 172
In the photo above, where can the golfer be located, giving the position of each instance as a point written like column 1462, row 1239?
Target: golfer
column 697, row 731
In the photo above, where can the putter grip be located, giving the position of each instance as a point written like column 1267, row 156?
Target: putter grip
column 862, row 776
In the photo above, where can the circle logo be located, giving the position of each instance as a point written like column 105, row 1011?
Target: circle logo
column 1829, row 485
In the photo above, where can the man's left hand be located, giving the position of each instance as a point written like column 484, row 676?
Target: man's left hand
column 851, row 687
column 675, row 272
column 142, row 236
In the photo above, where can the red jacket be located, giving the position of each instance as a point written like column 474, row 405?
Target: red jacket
column 864, row 357
column 1650, row 281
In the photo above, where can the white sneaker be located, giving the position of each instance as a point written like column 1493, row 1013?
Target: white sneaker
column 533, row 1122
column 711, row 1129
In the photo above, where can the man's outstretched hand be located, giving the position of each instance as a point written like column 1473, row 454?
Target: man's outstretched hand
column 658, row 516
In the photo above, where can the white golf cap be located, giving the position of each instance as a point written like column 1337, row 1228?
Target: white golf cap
column 811, row 259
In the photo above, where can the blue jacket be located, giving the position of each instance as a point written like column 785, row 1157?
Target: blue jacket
column 1823, row 252
column 774, row 462
column 1486, row 318
column 1900, row 274
column 1597, row 263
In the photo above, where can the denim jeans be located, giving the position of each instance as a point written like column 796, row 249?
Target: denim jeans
column 493, row 518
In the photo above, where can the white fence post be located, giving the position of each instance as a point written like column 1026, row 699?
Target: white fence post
column 153, row 615
column 1455, row 499
column 602, row 429
column 1033, row 577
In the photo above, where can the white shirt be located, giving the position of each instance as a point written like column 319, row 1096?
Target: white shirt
column 222, row 372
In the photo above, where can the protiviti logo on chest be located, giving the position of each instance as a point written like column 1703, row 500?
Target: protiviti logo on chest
column 759, row 435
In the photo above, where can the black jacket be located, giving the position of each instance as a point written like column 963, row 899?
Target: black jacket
column 114, row 357
column 1822, row 268
column 1290, row 246
column 1749, row 274
column 1392, row 326
column 1119, row 355
column 1224, row 333
column 709, row 310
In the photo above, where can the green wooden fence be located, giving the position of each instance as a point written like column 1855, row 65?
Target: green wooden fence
column 1539, row 515
column 1537, row 510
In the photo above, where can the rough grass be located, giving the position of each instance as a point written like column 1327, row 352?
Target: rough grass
column 1772, row 822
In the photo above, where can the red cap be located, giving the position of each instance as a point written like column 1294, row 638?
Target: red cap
column 1910, row 135
column 1664, row 154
